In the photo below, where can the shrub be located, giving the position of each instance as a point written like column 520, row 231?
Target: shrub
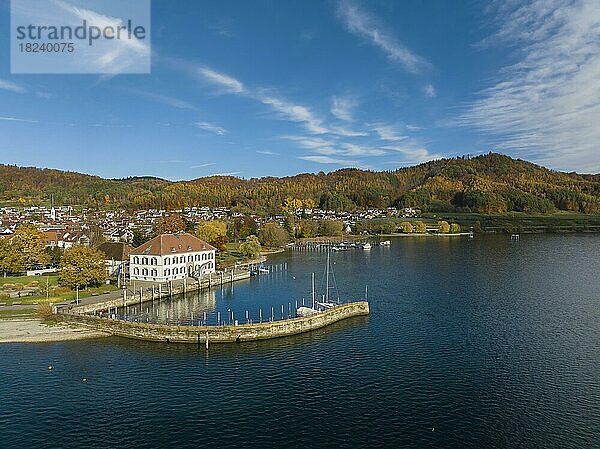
column 58, row 290
column 44, row 312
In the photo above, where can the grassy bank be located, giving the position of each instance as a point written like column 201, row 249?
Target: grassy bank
column 522, row 222
column 508, row 223
column 32, row 290
column 20, row 313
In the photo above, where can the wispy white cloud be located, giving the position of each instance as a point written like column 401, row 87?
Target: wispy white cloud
column 546, row 104
column 226, row 83
column 210, row 127
column 388, row 132
column 223, row 27
column 329, row 160
column 20, row 89
column 17, row 119
column 429, row 91
column 164, row 99
column 351, row 149
column 311, row 143
column 345, row 132
column 369, row 27
column 327, row 147
column 293, row 112
column 110, row 125
column 412, row 153
column 343, row 107
column 267, row 152
column 120, row 57
column 12, row 87
column 207, row 164
column 283, row 108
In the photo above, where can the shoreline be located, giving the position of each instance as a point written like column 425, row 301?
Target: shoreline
column 32, row 330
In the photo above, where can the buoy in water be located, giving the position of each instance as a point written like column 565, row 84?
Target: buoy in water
column 84, row 379
column 50, row 368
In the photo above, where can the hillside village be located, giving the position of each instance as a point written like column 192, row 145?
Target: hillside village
column 64, row 227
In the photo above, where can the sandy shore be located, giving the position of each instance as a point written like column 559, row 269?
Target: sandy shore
column 33, row 331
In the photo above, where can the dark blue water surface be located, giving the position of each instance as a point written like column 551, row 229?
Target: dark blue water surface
column 481, row 342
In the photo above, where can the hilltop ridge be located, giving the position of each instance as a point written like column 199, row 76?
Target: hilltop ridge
column 491, row 183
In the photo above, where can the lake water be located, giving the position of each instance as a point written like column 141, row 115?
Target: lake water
column 481, row 342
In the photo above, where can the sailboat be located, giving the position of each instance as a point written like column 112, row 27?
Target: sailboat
column 325, row 303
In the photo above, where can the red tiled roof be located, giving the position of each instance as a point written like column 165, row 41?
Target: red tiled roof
column 166, row 244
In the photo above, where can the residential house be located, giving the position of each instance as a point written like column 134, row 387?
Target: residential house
column 116, row 257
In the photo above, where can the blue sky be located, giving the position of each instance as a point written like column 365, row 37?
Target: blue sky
column 274, row 88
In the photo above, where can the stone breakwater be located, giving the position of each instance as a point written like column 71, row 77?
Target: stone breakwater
column 220, row 334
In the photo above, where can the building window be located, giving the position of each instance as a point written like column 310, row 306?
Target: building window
column 136, row 271
column 211, row 255
column 154, row 272
column 145, row 261
column 153, row 261
column 190, row 258
column 167, row 260
column 167, row 272
column 144, row 271
column 136, row 260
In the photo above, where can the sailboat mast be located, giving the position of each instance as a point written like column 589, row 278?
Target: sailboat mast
column 313, row 290
column 327, row 279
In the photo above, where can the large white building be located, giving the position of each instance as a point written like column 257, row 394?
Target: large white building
column 171, row 256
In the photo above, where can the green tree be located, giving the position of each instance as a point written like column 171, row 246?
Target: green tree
column 10, row 260
column 210, row 231
column 443, row 227
column 407, row 227
column 170, row 224
column 251, row 247
column 244, row 227
column 139, row 238
column 55, row 253
column 221, row 242
column 29, row 242
column 454, row 228
column 82, row 266
column 420, row 227
column 331, row 228
column 272, row 235
column 289, row 224
column 307, row 228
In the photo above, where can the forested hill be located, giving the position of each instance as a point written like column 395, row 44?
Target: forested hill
column 493, row 183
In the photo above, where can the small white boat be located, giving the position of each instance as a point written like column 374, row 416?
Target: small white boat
column 386, row 243
column 367, row 246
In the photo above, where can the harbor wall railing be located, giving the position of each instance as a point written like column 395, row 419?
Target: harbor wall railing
column 205, row 335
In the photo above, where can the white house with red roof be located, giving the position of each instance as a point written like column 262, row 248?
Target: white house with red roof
column 171, row 256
